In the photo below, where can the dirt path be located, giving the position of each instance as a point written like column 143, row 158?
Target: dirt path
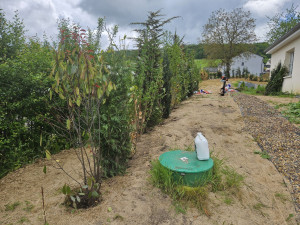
column 265, row 195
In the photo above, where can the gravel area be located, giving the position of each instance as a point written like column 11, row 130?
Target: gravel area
column 275, row 135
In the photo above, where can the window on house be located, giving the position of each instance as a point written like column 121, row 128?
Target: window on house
column 291, row 61
column 242, row 63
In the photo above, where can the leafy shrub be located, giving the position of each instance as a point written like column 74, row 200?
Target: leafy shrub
column 24, row 107
column 293, row 112
column 242, row 86
column 275, row 84
column 167, row 74
column 149, row 71
column 116, row 115
column 260, row 89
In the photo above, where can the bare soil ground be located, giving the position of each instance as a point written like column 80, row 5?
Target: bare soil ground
column 131, row 199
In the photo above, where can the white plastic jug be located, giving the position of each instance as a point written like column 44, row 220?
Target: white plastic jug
column 201, row 147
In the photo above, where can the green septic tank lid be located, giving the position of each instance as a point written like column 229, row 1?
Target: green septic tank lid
column 185, row 165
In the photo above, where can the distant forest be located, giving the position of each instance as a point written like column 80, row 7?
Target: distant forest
column 198, row 50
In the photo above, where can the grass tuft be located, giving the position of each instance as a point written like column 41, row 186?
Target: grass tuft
column 282, row 197
column 12, row 207
column 263, row 154
column 289, row 217
column 29, row 206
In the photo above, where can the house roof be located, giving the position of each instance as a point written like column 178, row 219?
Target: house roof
column 289, row 36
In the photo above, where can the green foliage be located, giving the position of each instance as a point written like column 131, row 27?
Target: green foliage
column 116, row 116
column 149, row 72
column 23, row 220
column 81, row 79
column 228, row 34
column 12, row 36
column 282, row 197
column 291, row 111
column 167, row 76
column 289, row 217
column 28, row 206
column 263, row 154
column 180, row 74
column 275, row 84
column 282, row 22
column 242, row 86
column 259, row 49
column 193, row 75
column 96, row 86
column 260, row 90
column 12, row 207
column 203, row 63
column 24, row 107
column 195, row 49
column 81, row 197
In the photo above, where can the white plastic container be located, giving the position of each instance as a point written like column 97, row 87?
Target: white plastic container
column 201, row 147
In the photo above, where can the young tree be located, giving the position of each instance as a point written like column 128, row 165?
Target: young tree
column 149, row 74
column 81, row 79
column 282, row 22
column 228, row 34
column 12, row 36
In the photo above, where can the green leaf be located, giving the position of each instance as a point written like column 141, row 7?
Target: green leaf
column 77, row 198
column 110, row 86
column 109, row 209
column 66, row 190
column 77, row 90
column 95, row 194
column 68, row 124
column 41, row 139
column 61, row 96
column 45, row 169
column 72, row 198
column 50, row 94
column 99, row 92
column 63, row 190
column 48, row 155
column 78, row 101
column 73, row 69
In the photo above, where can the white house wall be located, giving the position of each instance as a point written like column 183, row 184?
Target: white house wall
column 290, row 83
column 253, row 63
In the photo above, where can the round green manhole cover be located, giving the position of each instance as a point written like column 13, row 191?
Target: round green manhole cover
column 187, row 167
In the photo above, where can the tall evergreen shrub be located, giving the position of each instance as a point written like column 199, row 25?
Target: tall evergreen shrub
column 275, row 84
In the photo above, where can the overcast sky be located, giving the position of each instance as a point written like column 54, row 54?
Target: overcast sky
column 41, row 15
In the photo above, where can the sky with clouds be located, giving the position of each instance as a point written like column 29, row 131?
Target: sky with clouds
column 41, row 15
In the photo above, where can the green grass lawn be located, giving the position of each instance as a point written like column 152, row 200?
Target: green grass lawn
column 202, row 63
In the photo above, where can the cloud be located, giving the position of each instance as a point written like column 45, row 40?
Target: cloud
column 263, row 7
column 42, row 15
column 193, row 13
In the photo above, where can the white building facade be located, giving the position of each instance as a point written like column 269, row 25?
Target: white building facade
column 252, row 62
column 286, row 51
